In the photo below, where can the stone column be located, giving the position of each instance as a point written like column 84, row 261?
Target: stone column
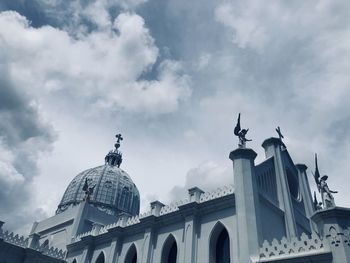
column 247, row 204
column 334, row 225
column 272, row 148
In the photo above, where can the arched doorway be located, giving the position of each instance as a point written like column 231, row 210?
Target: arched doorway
column 131, row 256
column 169, row 253
column 219, row 245
column 101, row 258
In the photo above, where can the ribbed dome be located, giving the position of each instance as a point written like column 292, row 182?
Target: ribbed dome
column 114, row 191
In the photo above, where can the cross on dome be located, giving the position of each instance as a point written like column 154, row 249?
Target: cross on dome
column 119, row 139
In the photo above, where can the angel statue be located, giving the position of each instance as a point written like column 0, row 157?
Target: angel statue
column 88, row 190
column 322, row 186
column 241, row 133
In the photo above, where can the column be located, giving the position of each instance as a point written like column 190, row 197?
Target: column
column 247, row 204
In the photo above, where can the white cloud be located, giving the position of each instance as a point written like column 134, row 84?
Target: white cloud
column 244, row 22
column 207, row 176
column 104, row 66
column 103, row 70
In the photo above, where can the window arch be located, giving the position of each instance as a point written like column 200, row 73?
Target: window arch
column 219, row 245
column 74, row 261
column 169, row 253
column 124, row 198
column 131, row 256
column 101, row 258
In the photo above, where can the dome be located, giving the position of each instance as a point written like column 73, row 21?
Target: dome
column 113, row 190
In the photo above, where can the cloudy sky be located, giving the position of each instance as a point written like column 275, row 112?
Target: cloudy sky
column 171, row 76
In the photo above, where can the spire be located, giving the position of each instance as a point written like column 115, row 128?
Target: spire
column 114, row 157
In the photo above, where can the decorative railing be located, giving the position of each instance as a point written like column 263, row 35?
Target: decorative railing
column 23, row 242
column 220, row 192
column 53, row 252
column 167, row 209
column 132, row 220
column 285, row 248
column 125, row 221
column 11, row 238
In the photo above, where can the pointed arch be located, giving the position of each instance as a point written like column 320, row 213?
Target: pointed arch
column 131, row 255
column 101, row 258
column 219, row 244
column 74, row 261
column 169, row 251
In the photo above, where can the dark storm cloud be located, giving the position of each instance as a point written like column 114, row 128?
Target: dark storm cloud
column 19, row 120
column 23, row 136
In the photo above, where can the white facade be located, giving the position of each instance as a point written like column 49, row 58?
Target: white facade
column 267, row 216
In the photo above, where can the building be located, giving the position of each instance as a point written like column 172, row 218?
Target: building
column 267, row 216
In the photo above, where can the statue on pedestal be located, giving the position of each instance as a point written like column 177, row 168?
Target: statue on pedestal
column 326, row 193
column 241, row 133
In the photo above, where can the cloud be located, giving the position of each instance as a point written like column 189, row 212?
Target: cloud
column 103, row 70
column 191, row 66
column 106, row 66
column 207, row 176
column 24, row 135
column 79, row 17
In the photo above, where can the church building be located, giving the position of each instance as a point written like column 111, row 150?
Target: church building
column 267, row 214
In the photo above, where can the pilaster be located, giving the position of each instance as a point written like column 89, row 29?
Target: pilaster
column 114, row 250
column 147, row 247
column 189, row 239
column 247, row 204
column 272, row 148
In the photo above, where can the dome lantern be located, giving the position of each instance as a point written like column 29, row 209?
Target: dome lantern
column 114, row 157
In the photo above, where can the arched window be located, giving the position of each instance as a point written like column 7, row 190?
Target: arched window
column 124, row 198
column 169, row 254
column 74, row 261
column 101, row 258
column 219, row 245
column 131, row 256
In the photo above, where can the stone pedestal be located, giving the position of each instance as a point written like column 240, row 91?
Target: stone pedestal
column 334, row 225
column 247, row 204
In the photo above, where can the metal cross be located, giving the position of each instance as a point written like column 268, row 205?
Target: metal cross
column 280, row 135
column 119, row 138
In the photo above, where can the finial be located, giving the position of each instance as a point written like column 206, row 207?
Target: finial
column 114, row 158
column 322, row 186
column 280, row 136
column 241, row 133
column 119, row 139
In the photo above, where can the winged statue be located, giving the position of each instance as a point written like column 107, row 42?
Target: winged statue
column 322, row 186
column 241, row 133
